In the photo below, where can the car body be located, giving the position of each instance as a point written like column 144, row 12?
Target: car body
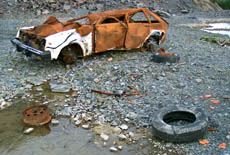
column 92, row 33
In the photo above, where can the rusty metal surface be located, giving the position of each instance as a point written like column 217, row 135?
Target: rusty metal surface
column 36, row 115
column 118, row 92
column 110, row 30
column 51, row 26
column 162, row 52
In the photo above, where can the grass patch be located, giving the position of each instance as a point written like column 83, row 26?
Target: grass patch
column 224, row 4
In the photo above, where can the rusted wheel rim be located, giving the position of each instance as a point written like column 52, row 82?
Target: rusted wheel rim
column 69, row 57
column 36, row 115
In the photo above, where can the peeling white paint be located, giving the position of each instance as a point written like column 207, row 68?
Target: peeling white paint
column 56, row 42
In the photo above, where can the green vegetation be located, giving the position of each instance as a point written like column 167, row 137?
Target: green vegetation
column 212, row 39
column 224, row 4
column 215, row 39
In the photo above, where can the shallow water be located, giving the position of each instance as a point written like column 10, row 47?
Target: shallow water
column 64, row 138
column 219, row 28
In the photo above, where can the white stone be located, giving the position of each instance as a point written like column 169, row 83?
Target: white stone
column 198, row 80
column 122, row 137
column 29, row 130
column 77, row 122
column 228, row 137
column 96, row 80
column 104, row 137
column 55, row 121
column 85, row 126
column 124, row 127
column 113, row 149
column 131, row 134
column 45, row 12
column 120, row 147
column 117, row 130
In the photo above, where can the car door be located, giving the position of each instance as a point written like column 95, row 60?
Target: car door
column 138, row 29
column 109, row 34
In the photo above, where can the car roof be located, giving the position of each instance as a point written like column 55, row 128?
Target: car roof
column 115, row 13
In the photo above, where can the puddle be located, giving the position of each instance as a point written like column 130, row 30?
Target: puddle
column 219, row 28
column 64, row 138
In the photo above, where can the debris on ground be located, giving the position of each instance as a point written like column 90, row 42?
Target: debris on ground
column 203, row 141
column 118, row 92
column 222, row 146
column 36, row 115
column 180, row 124
column 216, row 40
column 29, row 130
column 4, row 104
column 161, row 56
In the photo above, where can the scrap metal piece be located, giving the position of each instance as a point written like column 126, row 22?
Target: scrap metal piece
column 118, row 92
column 36, row 115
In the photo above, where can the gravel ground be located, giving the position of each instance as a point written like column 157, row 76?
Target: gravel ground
column 203, row 69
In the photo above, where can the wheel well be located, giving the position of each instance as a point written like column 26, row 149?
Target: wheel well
column 74, row 47
column 155, row 38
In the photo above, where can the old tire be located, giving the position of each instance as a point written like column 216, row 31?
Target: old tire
column 183, row 133
column 163, row 59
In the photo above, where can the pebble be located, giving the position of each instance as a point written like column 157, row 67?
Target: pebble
column 60, row 88
column 96, row 80
column 131, row 134
column 104, row 137
column 124, row 127
column 120, row 147
column 35, row 80
column 55, row 121
column 66, row 7
column 132, row 115
column 122, row 137
column 45, row 12
column 228, row 137
column 77, row 122
column 116, row 130
column 113, row 149
column 29, row 130
column 85, row 126
column 198, row 80
column 184, row 11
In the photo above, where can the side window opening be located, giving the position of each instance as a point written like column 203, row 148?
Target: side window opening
column 138, row 17
column 109, row 20
column 153, row 20
column 83, row 21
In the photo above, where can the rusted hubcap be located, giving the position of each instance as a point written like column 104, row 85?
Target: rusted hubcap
column 36, row 115
column 69, row 56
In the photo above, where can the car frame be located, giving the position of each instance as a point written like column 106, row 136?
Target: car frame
column 103, row 31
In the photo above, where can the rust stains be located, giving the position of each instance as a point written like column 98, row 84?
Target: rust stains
column 36, row 115
column 110, row 30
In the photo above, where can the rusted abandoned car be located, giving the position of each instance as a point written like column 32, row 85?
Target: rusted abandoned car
column 92, row 33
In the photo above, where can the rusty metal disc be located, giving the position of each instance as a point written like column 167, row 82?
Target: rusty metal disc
column 36, row 115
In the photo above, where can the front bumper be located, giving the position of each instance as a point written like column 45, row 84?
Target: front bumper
column 28, row 49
